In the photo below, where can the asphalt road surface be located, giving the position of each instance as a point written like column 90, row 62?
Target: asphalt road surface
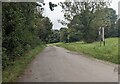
column 57, row 64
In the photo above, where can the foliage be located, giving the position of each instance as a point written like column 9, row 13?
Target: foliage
column 73, row 35
column 63, row 35
column 54, row 37
column 51, row 6
column 86, row 17
column 44, row 29
column 21, row 21
column 110, row 22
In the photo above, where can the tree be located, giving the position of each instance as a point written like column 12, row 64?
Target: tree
column 54, row 37
column 64, row 35
column 73, row 34
column 44, row 29
column 112, row 31
column 81, row 15
column 21, row 23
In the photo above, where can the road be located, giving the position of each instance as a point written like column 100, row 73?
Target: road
column 57, row 64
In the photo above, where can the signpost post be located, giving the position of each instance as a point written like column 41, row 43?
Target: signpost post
column 101, row 36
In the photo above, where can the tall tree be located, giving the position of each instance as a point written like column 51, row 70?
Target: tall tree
column 20, row 23
column 64, row 35
column 85, row 12
column 112, row 31
column 54, row 37
column 45, row 29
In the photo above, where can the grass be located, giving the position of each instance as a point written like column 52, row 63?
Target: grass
column 52, row 44
column 109, row 52
column 11, row 73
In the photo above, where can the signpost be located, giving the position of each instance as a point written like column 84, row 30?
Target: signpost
column 101, row 36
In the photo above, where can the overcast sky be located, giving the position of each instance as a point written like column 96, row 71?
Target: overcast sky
column 57, row 14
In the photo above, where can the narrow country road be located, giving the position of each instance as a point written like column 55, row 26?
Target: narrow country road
column 57, row 64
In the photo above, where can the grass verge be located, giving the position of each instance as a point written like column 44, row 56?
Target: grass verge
column 109, row 52
column 11, row 73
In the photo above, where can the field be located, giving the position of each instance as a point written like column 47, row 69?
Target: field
column 109, row 52
column 11, row 73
